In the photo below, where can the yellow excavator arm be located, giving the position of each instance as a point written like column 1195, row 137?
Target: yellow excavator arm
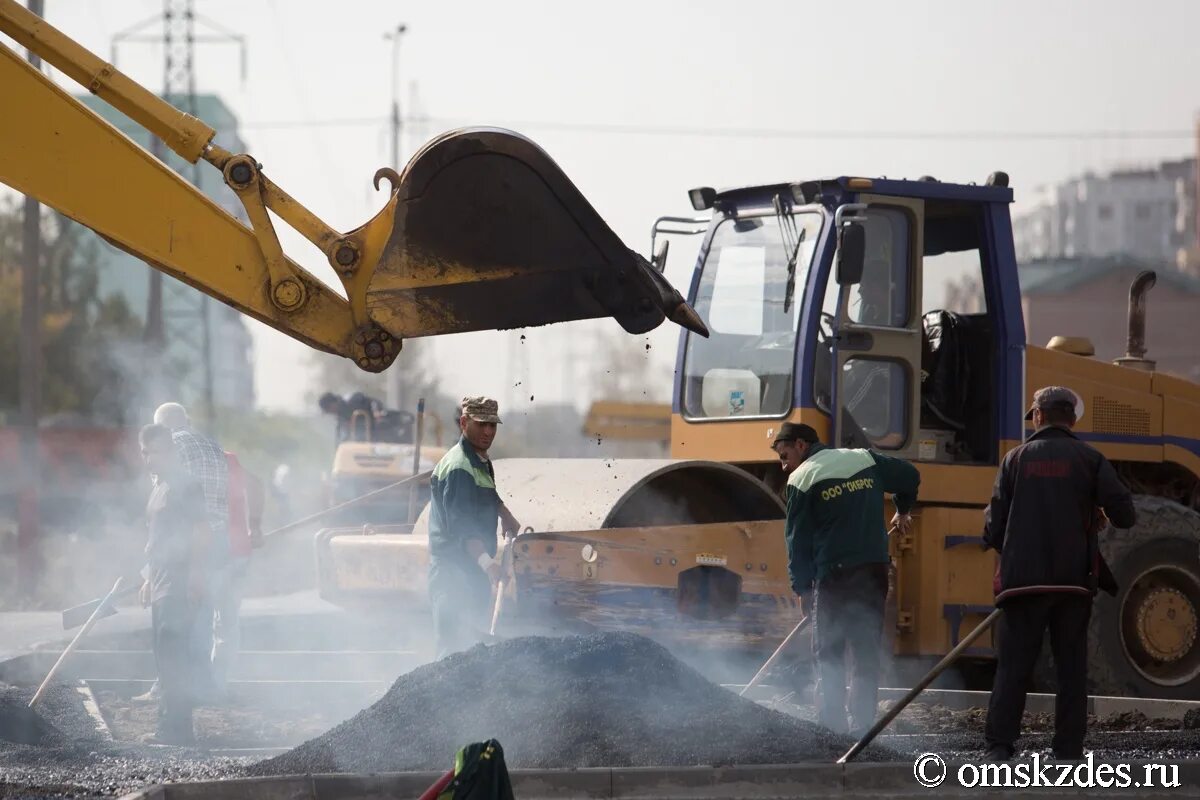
column 482, row 231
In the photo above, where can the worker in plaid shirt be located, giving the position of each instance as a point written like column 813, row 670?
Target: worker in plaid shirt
column 205, row 461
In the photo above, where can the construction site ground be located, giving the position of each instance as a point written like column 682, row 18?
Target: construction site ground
column 306, row 671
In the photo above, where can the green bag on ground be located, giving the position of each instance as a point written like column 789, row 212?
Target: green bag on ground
column 479, row 774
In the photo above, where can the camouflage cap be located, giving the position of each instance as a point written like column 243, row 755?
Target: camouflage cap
column 481, row 409
column 1049, row 396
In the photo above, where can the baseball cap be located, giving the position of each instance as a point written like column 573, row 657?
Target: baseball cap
column 795, row 431
column 1056, row 396
column 481, row 409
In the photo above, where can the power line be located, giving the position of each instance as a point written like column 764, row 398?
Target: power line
column 314, row 123
column 752, row 133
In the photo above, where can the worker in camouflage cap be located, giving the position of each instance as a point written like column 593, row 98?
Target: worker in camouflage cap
column 481, row 409
column 464, row 507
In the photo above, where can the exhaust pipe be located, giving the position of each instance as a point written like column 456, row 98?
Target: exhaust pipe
column 1135, row 344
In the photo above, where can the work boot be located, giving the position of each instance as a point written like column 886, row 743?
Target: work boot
column 152, row 695
column 169, row 740
column 999, row 752
column 1074, row 757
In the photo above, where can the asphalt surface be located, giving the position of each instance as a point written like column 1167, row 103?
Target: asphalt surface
column 1124, row 736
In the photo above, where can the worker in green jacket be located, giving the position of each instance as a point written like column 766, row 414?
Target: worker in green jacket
column 838, row 551
column 464, row 507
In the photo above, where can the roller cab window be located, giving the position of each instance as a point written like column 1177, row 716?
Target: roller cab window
column 750, row 294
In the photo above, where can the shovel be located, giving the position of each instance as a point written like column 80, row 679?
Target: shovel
column 87, row 626
column 923, row 684
column 75, row 616
column 506, row 560
column 770, row 662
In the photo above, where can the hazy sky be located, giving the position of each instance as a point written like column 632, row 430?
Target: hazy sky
column 727, row 94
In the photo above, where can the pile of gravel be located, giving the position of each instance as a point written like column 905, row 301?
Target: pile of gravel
column 605, row 700
column 20, row 724
column 59, row 720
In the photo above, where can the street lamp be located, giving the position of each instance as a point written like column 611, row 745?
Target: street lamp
column 397, row 378
column 395, row 35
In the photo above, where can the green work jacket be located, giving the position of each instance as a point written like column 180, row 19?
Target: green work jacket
column 464, row 504
column 835, row 510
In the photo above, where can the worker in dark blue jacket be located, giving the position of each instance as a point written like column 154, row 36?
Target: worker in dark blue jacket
column 1042, row 519
column 464, row 507
column 838, row 550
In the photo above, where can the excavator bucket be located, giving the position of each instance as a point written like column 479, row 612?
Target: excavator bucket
column 490, row 234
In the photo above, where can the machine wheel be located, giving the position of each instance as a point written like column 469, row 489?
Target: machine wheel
column 1144, row 641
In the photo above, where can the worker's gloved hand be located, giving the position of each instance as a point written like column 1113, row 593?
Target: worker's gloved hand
column 490, row 566
column 508, row 523
column 144, row 594
column 806, row 602
column 902, row 523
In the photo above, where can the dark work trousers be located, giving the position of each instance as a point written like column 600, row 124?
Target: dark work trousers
column 1019, row 634
column 203, row 629
column 461, row 596
column 849, row 607
column 171, row 619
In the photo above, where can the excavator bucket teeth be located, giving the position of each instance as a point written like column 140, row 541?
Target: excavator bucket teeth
column 490, row 234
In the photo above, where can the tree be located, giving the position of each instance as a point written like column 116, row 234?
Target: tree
column 82, row 334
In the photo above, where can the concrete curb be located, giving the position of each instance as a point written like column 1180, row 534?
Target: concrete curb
column 93, row 709
column 1044, row 703
column 645, row 783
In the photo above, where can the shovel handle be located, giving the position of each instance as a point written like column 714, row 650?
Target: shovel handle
column 770, row 662
column 895, row 710
column 496, row 606
column 433, row 791
column 505, row 563
column 311, row 518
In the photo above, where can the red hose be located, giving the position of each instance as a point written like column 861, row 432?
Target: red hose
column 433, row 791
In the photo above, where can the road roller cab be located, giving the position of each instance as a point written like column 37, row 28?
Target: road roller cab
column 888, row 314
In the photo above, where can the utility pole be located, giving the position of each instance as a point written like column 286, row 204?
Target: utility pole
column 29, row 560
column 1196, row 195
column 395, row 382
column 395, row 36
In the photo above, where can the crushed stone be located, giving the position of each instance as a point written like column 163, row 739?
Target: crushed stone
column 602, row 700
column 68, row 757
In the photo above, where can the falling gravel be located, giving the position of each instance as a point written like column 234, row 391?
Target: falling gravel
column 605, row 700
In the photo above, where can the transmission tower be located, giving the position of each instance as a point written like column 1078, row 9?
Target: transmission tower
column 175, row 312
